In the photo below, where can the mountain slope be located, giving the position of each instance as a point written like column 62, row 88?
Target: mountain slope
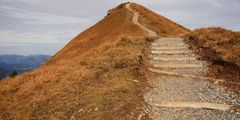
column 95, row 76
column 115, row 25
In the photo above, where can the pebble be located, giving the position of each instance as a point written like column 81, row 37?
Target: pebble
column 96, row 109
column 81, row 110
column 136, row 81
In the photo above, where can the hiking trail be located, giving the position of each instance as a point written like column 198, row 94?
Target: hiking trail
column 180, row 89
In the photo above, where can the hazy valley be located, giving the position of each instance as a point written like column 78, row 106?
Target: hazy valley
column 20, row 64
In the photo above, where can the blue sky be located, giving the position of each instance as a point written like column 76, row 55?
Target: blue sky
column 45, row 26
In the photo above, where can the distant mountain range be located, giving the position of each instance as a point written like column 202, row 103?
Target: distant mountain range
column 20, row 63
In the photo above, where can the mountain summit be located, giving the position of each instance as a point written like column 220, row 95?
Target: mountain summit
column 118, row 23
column 97, row 75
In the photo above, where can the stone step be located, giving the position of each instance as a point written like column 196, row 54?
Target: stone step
column 173, row 58
column 170, row 52
column 195, row 105
column 175, row 62
column 168, row 39
column 189, row 55
column 169, row 48
column 168, row 45
column 175, row 65
column 189, row 71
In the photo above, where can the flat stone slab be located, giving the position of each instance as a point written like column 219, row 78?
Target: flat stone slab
column 170, row 52
column 173, row 58
column 172, row 65
column 197, row 105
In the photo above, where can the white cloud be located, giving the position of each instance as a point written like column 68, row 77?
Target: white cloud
column 10, row 37
column 41, row 22
column 44, row 18
column 31, row 1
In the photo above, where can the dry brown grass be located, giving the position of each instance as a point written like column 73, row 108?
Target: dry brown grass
column 97, row 69
column 105, row 82
column 219, row 46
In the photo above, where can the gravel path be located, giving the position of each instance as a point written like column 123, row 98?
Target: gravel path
column 179, row 91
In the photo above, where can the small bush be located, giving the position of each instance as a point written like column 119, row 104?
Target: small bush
column 149, row 39
column 125, row 42
column 107, row 103
column 117, row 64
column 13, row 73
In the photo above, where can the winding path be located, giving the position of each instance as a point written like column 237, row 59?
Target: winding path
column 179, row 90
column 135, row 21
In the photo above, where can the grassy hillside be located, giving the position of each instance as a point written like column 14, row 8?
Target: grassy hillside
column 97, row 75
column 219, row 46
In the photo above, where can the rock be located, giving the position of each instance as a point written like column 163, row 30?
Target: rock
column 80, row 110
column 216, row 82
column 136, row 81
column 72, row 118
column 96, row 109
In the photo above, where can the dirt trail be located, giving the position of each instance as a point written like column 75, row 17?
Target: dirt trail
column 135, row 21
column 179, row 90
